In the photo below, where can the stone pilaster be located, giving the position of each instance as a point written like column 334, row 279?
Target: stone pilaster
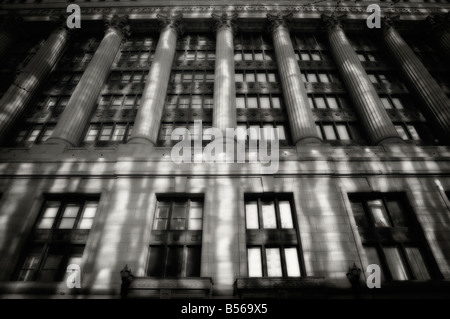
column 433, row 101
column 440, row 24
column 77, row 114
column 224, row 112
column 301, row 119
column 369, row 107
column 148, row 119
column 16, row 99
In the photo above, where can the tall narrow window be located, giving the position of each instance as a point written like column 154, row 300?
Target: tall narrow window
column 273, row 246
column 175, row 248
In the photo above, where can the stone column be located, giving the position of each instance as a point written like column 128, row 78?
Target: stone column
column 7, row 33
column 73, row 121
column 435, row 103
column 368, row 104
column 16, row 99
column 224, row 112
column 301, row 119
column 440, row 24
column 148, row 118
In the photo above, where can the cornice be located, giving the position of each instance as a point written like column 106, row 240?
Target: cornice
column 208, row 10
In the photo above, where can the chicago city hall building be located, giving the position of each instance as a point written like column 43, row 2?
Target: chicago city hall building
column 93, row 204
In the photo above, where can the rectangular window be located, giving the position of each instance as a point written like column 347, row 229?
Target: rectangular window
column 178, row 215
column 392, row 237
column 276, row 251
column 176, row 218
column 47, row 260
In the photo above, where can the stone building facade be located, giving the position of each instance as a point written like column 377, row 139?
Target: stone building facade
column 92, row 203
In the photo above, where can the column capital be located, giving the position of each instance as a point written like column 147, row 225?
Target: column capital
column 59, row 22
column 333, row 21
column 389, row 21
column 224, row 21
column 174, row 23
column 439, row 22
column 121, row 24
column 278, row 20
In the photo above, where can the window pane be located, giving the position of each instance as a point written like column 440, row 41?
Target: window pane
column 379, row 213
column 281, row 133
column 252, row 102
column 286, row 215
column 417, row 265
column 342, row 131
column 240, row 102
column 268, row 214
column 319, row 131
column 178, row 216
column 67, row 223
column 401, row 132
column 412, row 130
column 320, row 103
column 265, row 102
column 193, row 261
column 261, row 77
column 292, row 266
column 251, row 215
column 254, row 262
column 332, row 103
column 250, row 77
column 71, row 210
column 373, row 78
column 276, row 102
column 156, row 261
column 174, row 265
column 358, row 213
column 273, row 262
column 373, row 258
column 397, row 103
column 315, row 56
column 396, row 211
column 323, row 78
column 311, row 77
column 48, row 217
column 329, row 132
column 386, row 103
column 395, row 263
column 239, row 77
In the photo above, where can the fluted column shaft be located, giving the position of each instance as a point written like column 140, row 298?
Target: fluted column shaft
column 16, row 99
column 148, row 119
column 369, row 107
column 301, row 119
column 224, row 112
column 77, row 114
column 436, row 105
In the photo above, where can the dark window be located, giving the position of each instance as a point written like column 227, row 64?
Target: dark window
column 392, row 237
column 49, row 248
column 169, row 255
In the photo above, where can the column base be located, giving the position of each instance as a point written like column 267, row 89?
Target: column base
column 140, row 140
column 309, row 140
column 60, row 141
column 391, row 140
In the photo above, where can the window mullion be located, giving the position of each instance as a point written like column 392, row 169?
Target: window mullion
column 263, row 261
